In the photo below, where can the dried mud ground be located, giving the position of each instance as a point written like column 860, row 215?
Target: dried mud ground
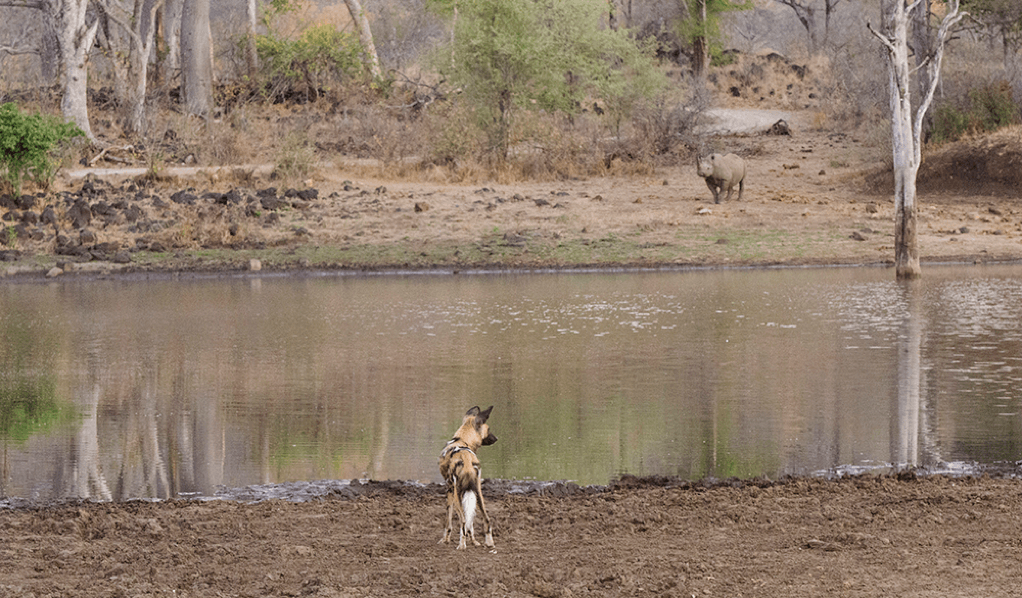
column 859, row 536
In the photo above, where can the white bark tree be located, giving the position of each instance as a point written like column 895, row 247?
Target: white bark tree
column 906, row 125
column 75, row 34
column 196, row 58
column 131, row 47
column 365, row 37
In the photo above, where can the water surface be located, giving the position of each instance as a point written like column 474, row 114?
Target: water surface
column 122, row 388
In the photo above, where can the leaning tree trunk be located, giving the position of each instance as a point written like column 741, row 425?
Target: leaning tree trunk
column 196, row 58
column 365, row 37
column 906, row 126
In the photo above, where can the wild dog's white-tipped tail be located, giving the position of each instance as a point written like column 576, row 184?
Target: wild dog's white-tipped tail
column 468, row 505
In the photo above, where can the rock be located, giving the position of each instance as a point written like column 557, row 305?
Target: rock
column 49, row 216
column 779, row 128
column 232, row 197
column 80, row 214
column 421, row 206
column 26, row 202
column 54, row 272
column 133, row 213
column 271, row 202
column 254, row 265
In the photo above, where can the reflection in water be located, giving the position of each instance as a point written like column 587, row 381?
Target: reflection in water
column 184, row 386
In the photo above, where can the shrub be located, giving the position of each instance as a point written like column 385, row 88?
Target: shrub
column 993, row 106
column 949, row 123
column 988, row 108
column 320, row 56
column 28, row 143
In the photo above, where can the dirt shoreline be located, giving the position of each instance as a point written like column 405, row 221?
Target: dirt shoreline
column 853, row 536
column 806, row 203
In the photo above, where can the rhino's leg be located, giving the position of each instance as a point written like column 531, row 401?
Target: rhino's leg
column 741, row 187
column 712, row 184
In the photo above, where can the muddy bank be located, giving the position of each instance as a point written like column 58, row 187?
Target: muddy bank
column 856, row 536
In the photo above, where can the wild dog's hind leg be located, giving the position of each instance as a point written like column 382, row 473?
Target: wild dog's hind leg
column 461, row 518
column 482, row 509
column 450, row 516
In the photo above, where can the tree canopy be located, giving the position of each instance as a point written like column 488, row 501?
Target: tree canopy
column 554, row 55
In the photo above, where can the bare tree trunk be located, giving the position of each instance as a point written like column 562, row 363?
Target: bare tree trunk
column 74, row 40
column 365, row 38
column 612, row 14
column 172, row 35
column 921, row 47
column 131, row 47
column 829, row 7
column 251, row 55
column 701, row 49
column 805, row 11
column 196, row 58
column 906, row 126
column 49, row 53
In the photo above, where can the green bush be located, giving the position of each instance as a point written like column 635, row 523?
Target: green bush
column 27, row 144
column 949, row 123
column 993, row 106
column 988, row 108
column 320, row 56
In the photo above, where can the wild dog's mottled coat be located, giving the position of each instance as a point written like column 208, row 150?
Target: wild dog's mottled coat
column 459, row 467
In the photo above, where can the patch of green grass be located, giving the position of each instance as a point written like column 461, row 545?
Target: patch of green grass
column 688, row 246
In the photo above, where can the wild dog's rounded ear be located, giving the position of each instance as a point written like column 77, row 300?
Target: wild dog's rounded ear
column 473, row 411
column 483, row 416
